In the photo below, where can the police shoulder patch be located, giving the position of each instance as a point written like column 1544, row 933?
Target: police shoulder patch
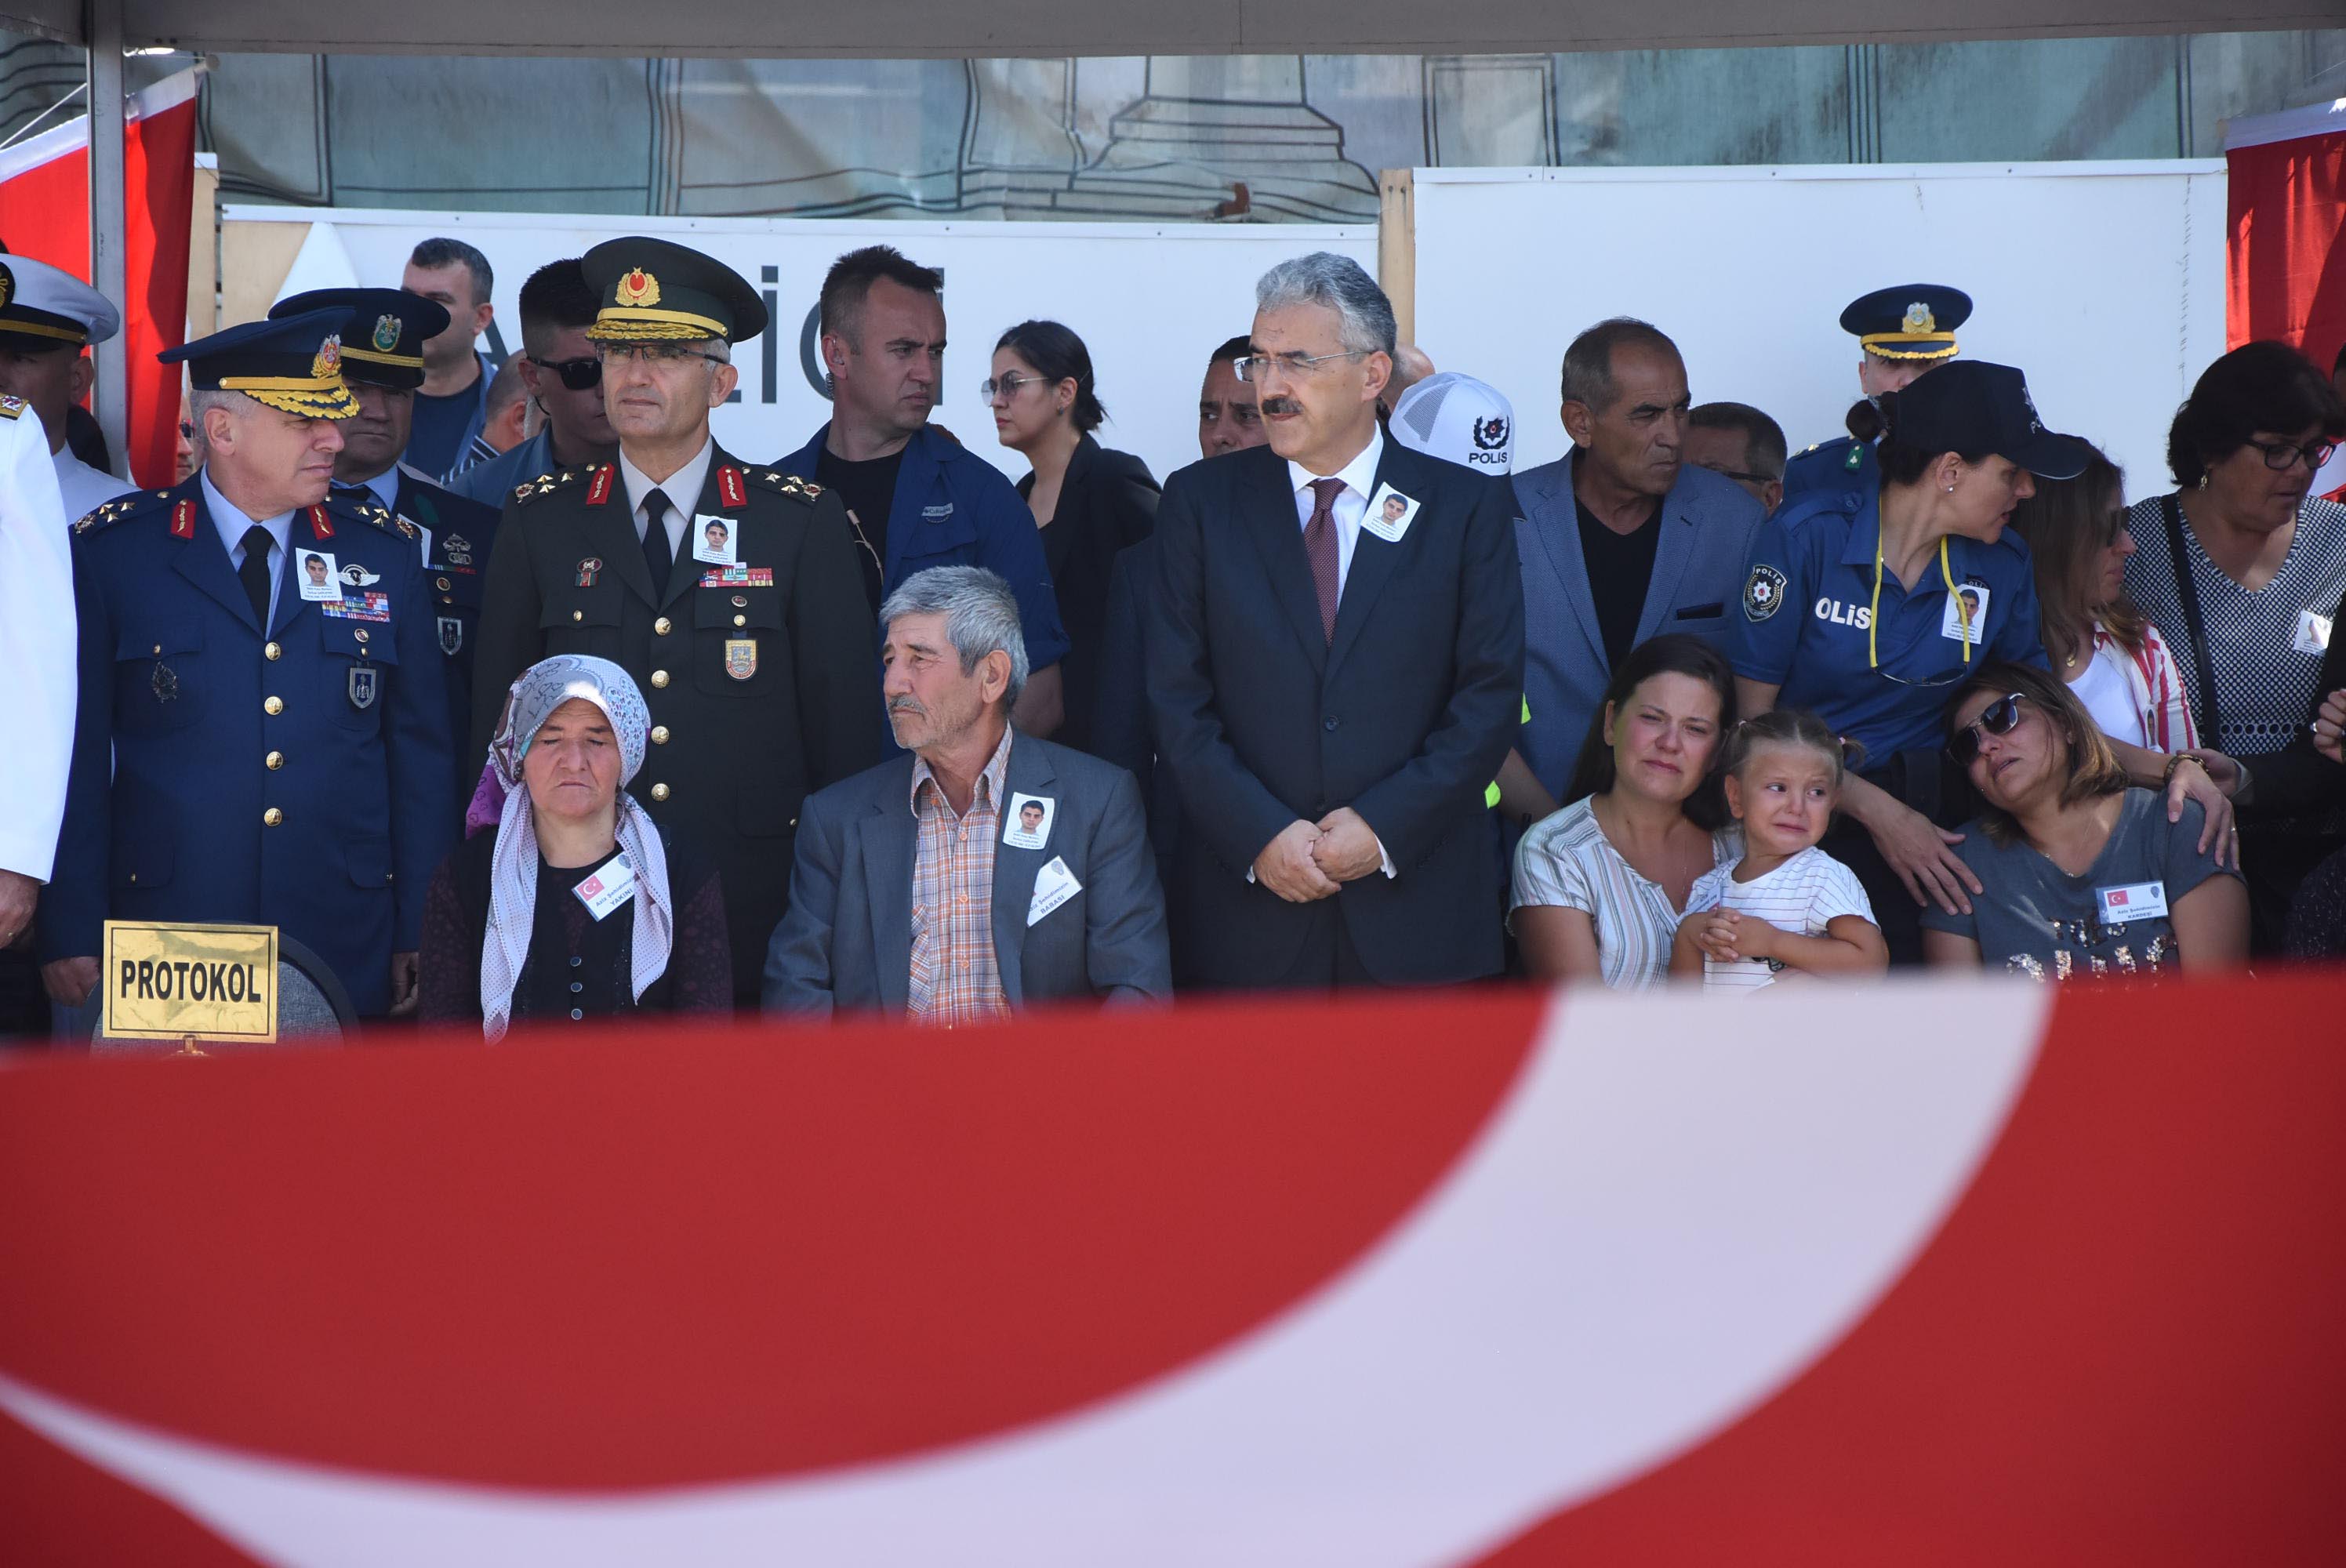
column 790, row 484
column 1763, row 592
column 529, row 489
column 11, row 405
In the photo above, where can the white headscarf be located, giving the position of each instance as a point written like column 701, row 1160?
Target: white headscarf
column 513, row 863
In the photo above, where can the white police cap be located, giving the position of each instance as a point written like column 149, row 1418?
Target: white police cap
column 1458, row 419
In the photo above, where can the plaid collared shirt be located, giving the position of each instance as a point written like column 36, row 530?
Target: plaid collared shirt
column 957, row 978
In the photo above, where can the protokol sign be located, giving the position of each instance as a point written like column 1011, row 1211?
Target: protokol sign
column 177, row 982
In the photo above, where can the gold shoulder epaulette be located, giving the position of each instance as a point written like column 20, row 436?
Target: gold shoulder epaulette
column 11, row 406
column 529, row 489
column 790, row 484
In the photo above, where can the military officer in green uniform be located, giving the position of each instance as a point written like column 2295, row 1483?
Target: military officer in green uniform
column 756, row 655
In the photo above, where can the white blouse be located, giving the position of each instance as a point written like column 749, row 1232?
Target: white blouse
column 1565, row 862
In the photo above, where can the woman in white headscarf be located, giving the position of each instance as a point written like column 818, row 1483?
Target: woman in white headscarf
column 574, row 908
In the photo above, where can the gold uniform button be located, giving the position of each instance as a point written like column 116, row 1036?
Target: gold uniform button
column 268, row 650
column 740, row 620
column 273, row 707
column 578, row 615
column 660, row 678
column 663, row 625
column 270, row 817
column 275, row 760
column 659, row 791
column 659, row 735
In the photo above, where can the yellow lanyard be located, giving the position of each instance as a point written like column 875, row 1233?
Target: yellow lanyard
column 1874, row 620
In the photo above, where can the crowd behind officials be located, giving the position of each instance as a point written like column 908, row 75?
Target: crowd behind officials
column 512, row 695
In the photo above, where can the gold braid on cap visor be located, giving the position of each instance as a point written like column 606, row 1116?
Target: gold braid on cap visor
column 1897, row 345
column 645, row 324
column 43, row 330
column 404, row 361
column 300, row 395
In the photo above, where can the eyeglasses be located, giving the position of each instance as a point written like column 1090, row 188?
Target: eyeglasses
column 2279, row 455
column 658, row 355
column 1003, row 389
column 1997, row 718
column 577, row 374
column 1254, row 367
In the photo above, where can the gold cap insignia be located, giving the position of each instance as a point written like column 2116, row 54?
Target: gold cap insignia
column 329, row 362
column 638, row 289
column 386, row 332
column 1920, row 319
column 7, row 287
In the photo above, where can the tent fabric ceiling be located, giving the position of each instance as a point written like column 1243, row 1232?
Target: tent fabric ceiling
column 910, row 29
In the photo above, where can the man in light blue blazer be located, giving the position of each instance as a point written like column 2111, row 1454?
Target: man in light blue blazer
column 1620, row 540
column 980, row 871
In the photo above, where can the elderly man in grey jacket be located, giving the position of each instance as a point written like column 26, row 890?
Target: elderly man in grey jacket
column 982, row 871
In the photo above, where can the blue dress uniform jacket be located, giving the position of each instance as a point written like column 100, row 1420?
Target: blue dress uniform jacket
column 459, row 533
column 953, row 508
column 1844, row 462
column 298, row 778
column 1808, row 606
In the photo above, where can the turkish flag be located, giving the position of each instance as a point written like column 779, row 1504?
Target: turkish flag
column 45, row 214
column 2286, row 276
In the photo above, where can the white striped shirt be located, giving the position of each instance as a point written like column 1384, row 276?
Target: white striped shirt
column 1564, row 862
column 1802, row 896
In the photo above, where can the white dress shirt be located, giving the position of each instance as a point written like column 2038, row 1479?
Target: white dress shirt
column 85, row 489
column 232, row 525
column 1360, row 477
column 36, row 649
column 682, row 489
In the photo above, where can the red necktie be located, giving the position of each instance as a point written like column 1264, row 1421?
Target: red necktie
column 1319, row 545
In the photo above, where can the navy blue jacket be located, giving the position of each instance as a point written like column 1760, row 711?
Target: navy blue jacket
column 953, row 508
column 179, row 761
column 456, row 562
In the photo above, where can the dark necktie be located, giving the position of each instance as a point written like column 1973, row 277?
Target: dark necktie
column 254, row 573
column 1319, row 545
column 657, row 555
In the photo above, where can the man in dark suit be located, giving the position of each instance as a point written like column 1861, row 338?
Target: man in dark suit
column 982, row 871
column 759, row 670
column 1333, row 686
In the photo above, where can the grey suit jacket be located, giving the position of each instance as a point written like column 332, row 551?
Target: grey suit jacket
column 1706, row 525
column 847, row 941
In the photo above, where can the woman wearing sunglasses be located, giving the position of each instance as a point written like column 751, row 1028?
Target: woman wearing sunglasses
column 2243, row 569
column 1864, row 604
column 2079, row 874
column 1089, row 501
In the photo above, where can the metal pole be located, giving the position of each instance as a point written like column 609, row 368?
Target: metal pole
column 108, row 266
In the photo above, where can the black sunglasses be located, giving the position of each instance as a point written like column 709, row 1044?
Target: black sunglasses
column 1997, row 718
column 577, row 374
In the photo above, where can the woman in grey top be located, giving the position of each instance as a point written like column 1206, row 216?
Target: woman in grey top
column 2243, row 568
column 2080, row 874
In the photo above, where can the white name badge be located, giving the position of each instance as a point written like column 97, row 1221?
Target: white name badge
column 1054, row 885
column 1970, row 600
column 713, row 540
column 1390, row 514
column 612, row 884
column 2313, row 632
column 2136, row 901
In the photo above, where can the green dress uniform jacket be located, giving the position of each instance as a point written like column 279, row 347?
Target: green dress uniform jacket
column 759, row 676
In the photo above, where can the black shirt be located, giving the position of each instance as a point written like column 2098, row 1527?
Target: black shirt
column 1620, row 570
column 869, row 489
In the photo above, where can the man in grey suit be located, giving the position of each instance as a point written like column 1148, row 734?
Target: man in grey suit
column 1621, row 539
column 982, row 871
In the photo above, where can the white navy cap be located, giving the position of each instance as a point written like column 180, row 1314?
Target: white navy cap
column 1458, row 419
column 45, row 307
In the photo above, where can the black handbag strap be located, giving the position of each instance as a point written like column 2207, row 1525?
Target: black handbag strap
column 2186, row 589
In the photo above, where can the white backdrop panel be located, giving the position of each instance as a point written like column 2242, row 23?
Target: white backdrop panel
column 2104, row 281
column 1149, row 300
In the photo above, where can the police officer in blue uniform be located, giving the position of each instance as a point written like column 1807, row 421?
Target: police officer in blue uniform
column 1903, row 331
column 382, row 361
column 1866, row 603
column 263, row 734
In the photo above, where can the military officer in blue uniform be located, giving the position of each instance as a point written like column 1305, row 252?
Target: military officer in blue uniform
column 1903, row 331
column 382, row 360
column 1865, row 602
column 263, row 731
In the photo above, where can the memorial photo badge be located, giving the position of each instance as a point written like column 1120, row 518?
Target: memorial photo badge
column 314, row 574
column 712, row 539
column 1027, row 824
column 1390, row 514
column 1965, row 614
column 1763, row 593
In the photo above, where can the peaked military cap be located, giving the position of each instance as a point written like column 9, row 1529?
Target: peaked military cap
column 655, row 290
column 1911, row 322
column 45, row 307
column 383, row 339
column 294, row 363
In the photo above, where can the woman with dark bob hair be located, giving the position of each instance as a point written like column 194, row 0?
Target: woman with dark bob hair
column 1089, row 501
column 2080, row 873
column 2243, row 569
